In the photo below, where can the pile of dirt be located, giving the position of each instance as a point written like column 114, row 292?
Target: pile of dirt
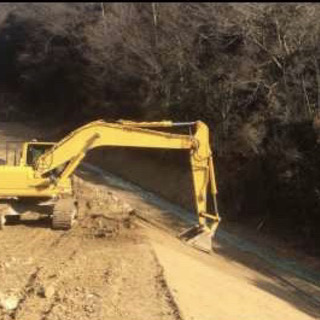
column 101, row 214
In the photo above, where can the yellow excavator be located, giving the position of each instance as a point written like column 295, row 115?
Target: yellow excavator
column 45, row 169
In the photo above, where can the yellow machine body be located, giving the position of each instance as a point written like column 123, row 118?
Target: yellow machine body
column 22, row 180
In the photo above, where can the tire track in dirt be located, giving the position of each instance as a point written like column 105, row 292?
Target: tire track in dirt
column 26, row 291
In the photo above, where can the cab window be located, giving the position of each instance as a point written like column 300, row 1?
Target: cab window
column 35, row 151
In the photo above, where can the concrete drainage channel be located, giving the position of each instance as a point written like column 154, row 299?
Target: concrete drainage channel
column 281, row 265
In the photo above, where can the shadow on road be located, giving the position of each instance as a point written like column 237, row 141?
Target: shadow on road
column 287, row 292
column 306, row 299
column 36, row 222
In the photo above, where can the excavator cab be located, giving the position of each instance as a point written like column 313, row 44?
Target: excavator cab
column 20, row 153
column 32, row 151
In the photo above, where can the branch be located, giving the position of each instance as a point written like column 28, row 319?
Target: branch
column 306, row 95
column 318, row 78
column 274, row 58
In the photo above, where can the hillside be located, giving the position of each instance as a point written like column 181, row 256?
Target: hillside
column 251, row 71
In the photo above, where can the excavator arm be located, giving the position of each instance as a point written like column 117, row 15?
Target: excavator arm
column 70, row 151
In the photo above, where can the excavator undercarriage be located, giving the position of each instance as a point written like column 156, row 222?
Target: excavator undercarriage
column 43, row 170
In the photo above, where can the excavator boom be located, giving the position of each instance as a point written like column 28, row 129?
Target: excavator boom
column 100, row 133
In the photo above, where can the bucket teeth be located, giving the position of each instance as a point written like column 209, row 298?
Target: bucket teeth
column 190, row 232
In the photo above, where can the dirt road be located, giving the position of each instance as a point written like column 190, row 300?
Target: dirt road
column 113, row 265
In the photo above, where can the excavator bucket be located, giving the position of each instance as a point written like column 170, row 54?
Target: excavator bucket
column 199, row 238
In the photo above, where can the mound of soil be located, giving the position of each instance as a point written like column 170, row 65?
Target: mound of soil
column 101, row 213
